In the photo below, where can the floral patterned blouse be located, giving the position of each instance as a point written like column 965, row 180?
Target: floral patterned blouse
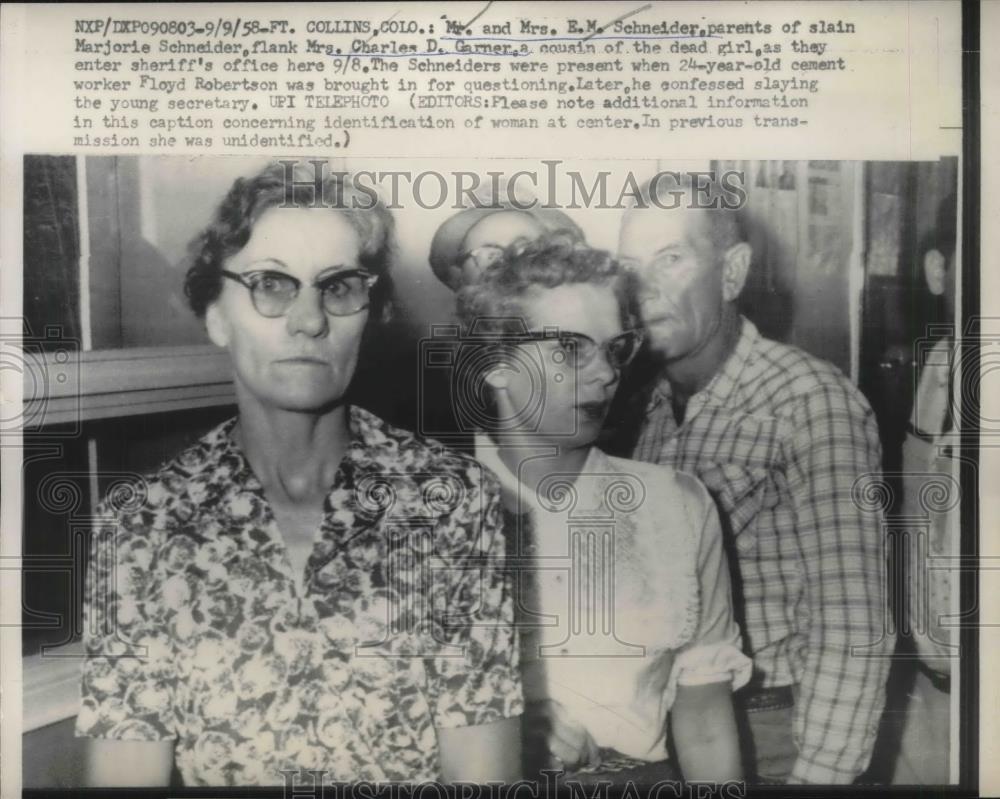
column 404, row 623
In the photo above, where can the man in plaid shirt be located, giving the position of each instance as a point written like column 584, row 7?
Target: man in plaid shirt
column 779, row 438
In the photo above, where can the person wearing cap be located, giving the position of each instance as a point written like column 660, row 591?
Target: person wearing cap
column 474, row 238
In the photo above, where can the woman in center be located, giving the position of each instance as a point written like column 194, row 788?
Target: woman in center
column 628, row 641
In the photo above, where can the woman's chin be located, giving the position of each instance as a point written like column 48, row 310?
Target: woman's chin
column 584, row 435
column 307, row 401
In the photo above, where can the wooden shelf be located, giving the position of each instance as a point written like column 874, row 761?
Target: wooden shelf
column 51, row 686
column 67, row 387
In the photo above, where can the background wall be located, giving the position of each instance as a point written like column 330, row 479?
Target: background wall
column 130, row 231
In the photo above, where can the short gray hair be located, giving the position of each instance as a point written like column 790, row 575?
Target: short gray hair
column 668, row 190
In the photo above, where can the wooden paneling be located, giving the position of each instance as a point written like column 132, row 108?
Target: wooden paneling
column 51, row 249
column 101, row 384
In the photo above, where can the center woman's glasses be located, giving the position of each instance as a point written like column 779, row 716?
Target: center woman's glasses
column 578, row 350
column 343, row 293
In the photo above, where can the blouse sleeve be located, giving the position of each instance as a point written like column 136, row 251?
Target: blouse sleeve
column 483, row 685
column 128, row 681
column 715, row 652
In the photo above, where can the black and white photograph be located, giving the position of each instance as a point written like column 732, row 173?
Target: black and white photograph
column 402, row 471
column 498, row 399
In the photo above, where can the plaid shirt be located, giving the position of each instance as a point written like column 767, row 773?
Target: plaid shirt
column 779, row 438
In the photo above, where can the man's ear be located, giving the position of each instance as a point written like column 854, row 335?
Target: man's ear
column 216, row 325
column 735, row 266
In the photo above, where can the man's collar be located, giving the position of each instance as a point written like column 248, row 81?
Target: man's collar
column 720, row 388
column 722, row 385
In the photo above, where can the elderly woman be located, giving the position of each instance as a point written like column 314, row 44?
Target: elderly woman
column 623, row 600
column 305, row 588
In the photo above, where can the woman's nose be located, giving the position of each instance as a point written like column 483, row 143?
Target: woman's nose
column 601, row 370
column 307, row 316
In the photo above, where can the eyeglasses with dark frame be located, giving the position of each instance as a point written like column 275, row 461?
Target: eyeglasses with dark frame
column 578, row 350
column 272, row 293
column 482, row 257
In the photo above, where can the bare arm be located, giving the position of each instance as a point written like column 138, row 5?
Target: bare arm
column 129, row 764
column 483, row 753
column 704, row 732
column 701, row 718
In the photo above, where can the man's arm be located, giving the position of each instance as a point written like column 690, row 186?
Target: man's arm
column 847, row 661
column 480, row 754
column 129, row 764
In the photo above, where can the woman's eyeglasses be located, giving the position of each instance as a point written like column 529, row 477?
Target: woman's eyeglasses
column 273, row 293
column 479, row 259
column 577, row 350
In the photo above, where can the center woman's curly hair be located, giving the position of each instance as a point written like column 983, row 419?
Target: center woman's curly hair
column 554, row 259
column 290, row 184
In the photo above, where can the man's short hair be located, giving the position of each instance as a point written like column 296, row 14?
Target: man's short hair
column 702, row 191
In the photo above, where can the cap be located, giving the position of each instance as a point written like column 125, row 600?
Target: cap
column 447, row 242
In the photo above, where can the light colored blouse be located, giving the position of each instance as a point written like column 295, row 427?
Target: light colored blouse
column 622, row 592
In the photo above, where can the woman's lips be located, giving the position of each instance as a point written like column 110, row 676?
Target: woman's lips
column 596, row 409
column 303, row 360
